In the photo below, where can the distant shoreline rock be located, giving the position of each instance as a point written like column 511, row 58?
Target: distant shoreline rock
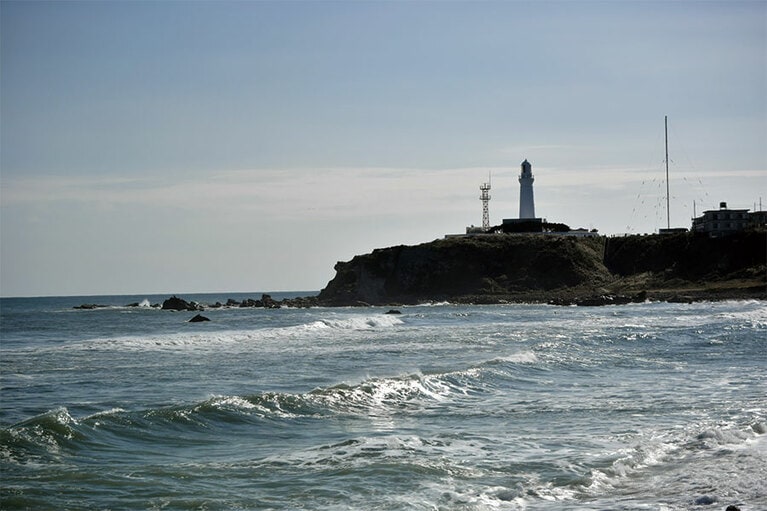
column 89, row 306
column 178, row 304
column 175, row 303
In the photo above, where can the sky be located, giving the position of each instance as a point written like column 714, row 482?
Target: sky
column 178, row 147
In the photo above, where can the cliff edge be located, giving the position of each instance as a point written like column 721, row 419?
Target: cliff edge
column 538, row 268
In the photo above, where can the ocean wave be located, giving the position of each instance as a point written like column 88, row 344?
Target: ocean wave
column 434, row 304
column 57, row 428
column 523, row 357
column 750, row 315
column 234, row 339
column 40, row 439
column 354, row 323
column 383, row 393
column 686, row 449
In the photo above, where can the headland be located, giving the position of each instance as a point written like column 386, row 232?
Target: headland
column 539, row 268
column 555, row 269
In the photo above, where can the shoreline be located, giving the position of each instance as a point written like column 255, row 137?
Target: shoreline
column 617, row 294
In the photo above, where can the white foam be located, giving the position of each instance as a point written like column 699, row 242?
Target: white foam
column 717, row 437
column 105, row 413
column 233, row 339
column 226, row 402
column 362, row 323
column 523, row 357
column 688, row 448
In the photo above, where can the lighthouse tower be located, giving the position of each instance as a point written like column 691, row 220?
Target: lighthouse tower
column 526, row 201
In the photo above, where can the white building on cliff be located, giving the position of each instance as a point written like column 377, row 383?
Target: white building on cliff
column 527, row 222
column 526, row 198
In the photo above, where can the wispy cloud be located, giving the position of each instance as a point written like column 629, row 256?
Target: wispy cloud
column 329, row 192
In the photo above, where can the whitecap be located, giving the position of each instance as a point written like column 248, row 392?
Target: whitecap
column 523, row 357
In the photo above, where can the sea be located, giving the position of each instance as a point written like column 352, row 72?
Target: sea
column 648, row 406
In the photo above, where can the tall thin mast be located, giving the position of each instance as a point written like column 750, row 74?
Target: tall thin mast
column 668, row 201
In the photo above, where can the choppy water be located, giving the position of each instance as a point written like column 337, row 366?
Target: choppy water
column 645, row 406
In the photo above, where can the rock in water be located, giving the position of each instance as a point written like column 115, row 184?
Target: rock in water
column 198, row 318
column 89, row 306
column 705, row 500
column 178, row 304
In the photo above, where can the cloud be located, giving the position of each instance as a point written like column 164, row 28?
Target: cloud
column 281, row 191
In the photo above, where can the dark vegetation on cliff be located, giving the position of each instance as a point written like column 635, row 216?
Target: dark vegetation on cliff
column 498, row 268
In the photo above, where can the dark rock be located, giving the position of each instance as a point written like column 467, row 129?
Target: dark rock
column 231, row 302
column 178, row 304
column 394, row 311
column 301, row 302
column 732, row 508
column 134, row 304
column 89, row 306
column 198, row 318
column 249, row 302
column 268, row 302
column 705, row 500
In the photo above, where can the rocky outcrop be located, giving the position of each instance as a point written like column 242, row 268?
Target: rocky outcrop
column 89, row 306
column 175, row 303
column 178, row 304
column 556, row 269
column 488, row 266
column 199, row 318
column 266, row 302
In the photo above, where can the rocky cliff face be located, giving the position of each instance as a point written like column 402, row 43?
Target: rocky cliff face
column 686, row 255
column 539, row 268
column 474, row 266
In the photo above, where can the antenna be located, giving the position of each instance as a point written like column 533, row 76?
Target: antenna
column 668, row 200
column 485, row 198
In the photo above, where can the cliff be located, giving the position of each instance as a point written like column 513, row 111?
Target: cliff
column 536, row 268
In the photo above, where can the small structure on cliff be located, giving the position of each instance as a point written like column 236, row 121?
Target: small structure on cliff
column 485, row 198
column 724, row 221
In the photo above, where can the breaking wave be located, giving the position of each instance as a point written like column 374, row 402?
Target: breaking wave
column 373, row 397
column 211, row 339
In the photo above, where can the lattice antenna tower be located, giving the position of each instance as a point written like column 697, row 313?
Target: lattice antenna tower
column 485, row 198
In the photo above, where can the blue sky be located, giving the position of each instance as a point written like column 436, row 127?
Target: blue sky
column 246, row 146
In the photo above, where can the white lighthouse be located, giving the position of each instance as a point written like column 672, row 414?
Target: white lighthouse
column 526, row 201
